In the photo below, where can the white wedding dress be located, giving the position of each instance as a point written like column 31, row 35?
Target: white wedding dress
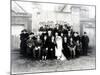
column 58, row 50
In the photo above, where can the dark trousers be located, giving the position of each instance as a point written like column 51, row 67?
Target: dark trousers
column 37, row 54
column 48, row 54
column 85, row 49
column 44, row 52
column 52, row 53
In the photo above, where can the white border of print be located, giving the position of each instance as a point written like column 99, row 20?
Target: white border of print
column 5, row 37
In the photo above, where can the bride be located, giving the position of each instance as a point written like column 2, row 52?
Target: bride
column 58, row 49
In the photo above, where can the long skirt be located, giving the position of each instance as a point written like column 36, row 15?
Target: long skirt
column 59, row 54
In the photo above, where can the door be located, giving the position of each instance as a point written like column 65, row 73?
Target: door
column 15, row 36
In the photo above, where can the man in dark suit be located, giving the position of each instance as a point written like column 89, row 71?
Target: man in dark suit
column 49, row 35
column 52, row 47
column 44, row 50
column 85, row 42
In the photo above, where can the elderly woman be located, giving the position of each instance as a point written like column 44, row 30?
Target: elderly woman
column 23, row 45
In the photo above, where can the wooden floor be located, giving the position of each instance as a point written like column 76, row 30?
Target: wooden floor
column 23, row 65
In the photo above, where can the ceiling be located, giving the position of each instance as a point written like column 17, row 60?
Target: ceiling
column 30, row 6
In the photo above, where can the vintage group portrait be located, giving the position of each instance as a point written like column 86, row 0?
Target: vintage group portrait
column 52, row 37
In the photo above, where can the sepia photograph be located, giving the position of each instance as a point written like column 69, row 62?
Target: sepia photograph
column 52, row 37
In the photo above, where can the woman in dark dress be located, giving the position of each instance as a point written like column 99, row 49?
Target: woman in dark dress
column 23, row 45
column 66, row 51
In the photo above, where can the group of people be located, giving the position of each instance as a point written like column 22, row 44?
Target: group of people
column 60, row 42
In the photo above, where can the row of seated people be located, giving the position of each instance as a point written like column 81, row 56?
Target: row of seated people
column 54, row 44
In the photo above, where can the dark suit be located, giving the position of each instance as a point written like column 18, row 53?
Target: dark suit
column 65, row 32
column 44, row 47
column 85, row 42
column 75, row 38
column 56, row 30
column 52, row 50
column 48, row 43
